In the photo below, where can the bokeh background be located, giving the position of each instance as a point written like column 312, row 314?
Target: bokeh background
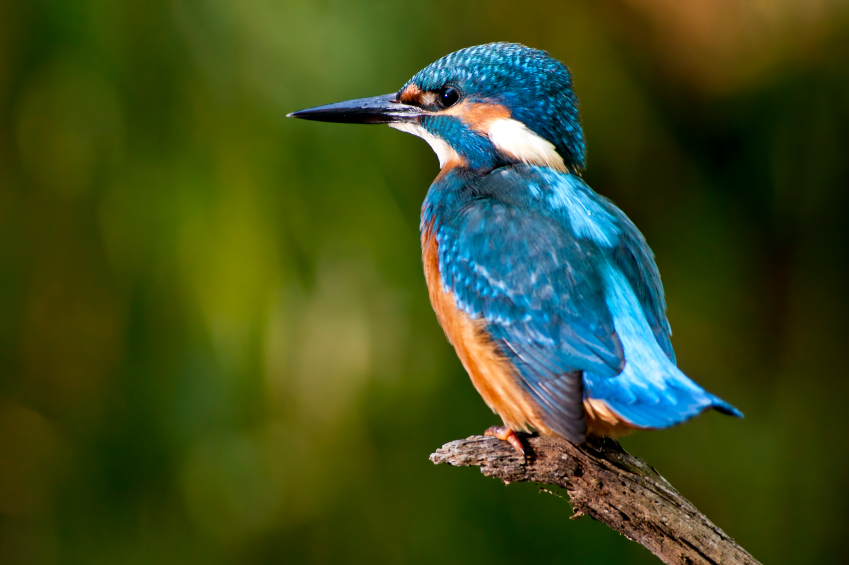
column 215, row 339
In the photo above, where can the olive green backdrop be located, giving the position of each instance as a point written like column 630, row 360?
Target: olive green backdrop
column 215, row 339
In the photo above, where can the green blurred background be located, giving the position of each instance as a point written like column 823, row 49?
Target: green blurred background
column 215, row 341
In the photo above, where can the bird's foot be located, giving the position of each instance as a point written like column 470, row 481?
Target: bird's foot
column 506, row 434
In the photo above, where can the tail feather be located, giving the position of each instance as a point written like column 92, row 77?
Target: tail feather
column 650, row 392
column 725, row 408
column 656, row 406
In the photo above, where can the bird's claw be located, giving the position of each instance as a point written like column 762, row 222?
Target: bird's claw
column 506, row 434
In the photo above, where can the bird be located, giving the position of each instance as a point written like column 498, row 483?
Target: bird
column 548, row 292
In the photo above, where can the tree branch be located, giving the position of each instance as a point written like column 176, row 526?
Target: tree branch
column 611, row 486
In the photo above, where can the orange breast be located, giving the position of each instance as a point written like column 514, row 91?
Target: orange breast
column 492, row 374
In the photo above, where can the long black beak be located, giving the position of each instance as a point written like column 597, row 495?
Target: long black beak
column 375, row 110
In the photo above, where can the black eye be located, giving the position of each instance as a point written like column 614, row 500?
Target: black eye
column 448, row 96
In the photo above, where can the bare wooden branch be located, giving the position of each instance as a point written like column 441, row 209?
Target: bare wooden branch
column 611, row 486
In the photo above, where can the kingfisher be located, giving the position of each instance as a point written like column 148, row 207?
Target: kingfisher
column 549, row 294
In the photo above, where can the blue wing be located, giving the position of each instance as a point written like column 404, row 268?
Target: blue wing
column 534, row 285
column 531, row 252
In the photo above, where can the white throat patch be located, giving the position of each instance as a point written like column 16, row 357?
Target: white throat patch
column 443, row 151
column 507, row 135
column 515, row 139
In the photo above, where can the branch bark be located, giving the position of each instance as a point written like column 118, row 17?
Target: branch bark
column 609, row 485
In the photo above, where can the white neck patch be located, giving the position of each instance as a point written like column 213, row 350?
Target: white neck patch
column 443, row 151
column 515, row 139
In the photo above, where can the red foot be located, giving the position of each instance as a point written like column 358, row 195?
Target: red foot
column 506, row 434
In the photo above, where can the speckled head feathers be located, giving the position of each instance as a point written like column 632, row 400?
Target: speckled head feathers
column 533, row 86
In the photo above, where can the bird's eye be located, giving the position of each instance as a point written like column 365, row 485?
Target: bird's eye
column 448, row 96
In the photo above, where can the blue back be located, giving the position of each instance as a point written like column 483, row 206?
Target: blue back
column 543, row 260
column 516, row 248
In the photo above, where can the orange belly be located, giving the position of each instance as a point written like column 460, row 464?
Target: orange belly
column 492, row 374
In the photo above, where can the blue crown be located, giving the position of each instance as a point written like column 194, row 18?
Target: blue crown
column 533, row 85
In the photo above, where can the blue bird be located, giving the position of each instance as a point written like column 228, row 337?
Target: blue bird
column 547, row 291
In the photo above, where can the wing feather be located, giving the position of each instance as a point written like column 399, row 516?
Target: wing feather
column 533, row 273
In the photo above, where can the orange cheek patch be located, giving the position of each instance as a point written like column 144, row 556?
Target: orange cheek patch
column 411, row 95
column 479, row 115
